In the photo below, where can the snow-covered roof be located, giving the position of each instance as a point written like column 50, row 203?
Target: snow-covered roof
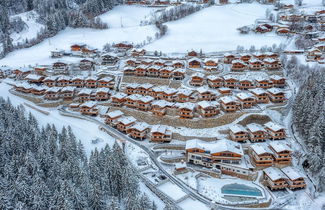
column 276, row 77
column 161, row 103
column 146, row 86
column 127, row 120
column 85, row 91
column 211, row 59
column 238, row 61
column 68, row 89
column 198, row 74
column 279, row 147
column 270, row 60
column 154, row 67
column 91, row 78
column 258, row 91
column 180, row 165
column 129, row 68
column 186, row 105
column 236, row 128
column 254, row 127
column 203, row 90
column 77, row 78
column 244, row 95
column 180, row 70
column 260, row 149
column 216, row 146
column 106, row 79
column 115, row 113
column 160, row 129
column 134, row 97
column 146, row 99
column 51, row 78
column 206, row 104
column 119, row 95
column 103, row 89
column 54, row 89
column 228, row 99
column 274, row 173
column 89, row 104
column 140, row 126
column 33, row 77
column 292, row 173
column 132, row 85
column 214, row 77
column 186, row 92
column 230, row 76
column 63, row 77
column 194, row 59
column 273, row 126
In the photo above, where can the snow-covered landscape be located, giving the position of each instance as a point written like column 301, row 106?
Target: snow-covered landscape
column 220, row 108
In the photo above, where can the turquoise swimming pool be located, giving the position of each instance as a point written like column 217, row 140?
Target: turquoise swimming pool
column 241, row 189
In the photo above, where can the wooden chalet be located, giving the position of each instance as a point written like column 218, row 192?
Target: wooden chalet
column 209, row 154
column 37, row 90
column 131, row 101
column 86, row 64
column 147, row 62
column 275, row 131
column 225, row 91
column 186, row 110
column 192, row 54
column 208, row 109
column 259, row 56
column 314, row 54
column 144, row 89
column 77, row 82
column 102, row 94
column 63, row 81
column 238, row 133
column 112, row 117
column 141, row 71
column 131, row 88
column 123, row 46
column 229, row 104
column 179, row 74
column 123, row 123
column 52, row 93
column 272, row 64
column 153, row 71
column 167, row 94
column 50, row 81
column 138, row 130
column 230, row 81
column 238, row 65
column 255, row 64
column 261, row 95
column 177, row 64
column 77, row 47
column 274, row 178
column 197, row 79
column 283, row 31
column 295, row 179
column 160, row 133
column 228, row 58
column 132, row 62
column 261, row 155
column 246, row 100
column 40, row 70
column 89, row 51
column 33, row 78
column 67, row 93
column 276, row 95
column 166, row 72
column 184, row 95
column 204, row 94
column 159, row 62
column 106, row 82
column 210, row 64
column 159, row 107
column 23, row 87
column 138, row 52
column 91, row 82
column 57, row 53
column 84, row 95
column 108, row 60
column 194, row 63
column 89, row 108
column 215, row 81
column 272, row 55
column 262, row 82
column 245, row 57
column 244, row 83
column 60, row 67
column 256, row 132
column 129, row 71
column 278, row 81
column 22, row 72
column 144, row 103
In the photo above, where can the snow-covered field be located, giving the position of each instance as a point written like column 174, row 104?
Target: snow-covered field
column 40, row 54
column 172, row 190
column 189, row 203
column 31, row 29
column 215, row 29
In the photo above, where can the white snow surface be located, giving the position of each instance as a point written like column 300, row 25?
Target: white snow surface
column 172, row 190
column 215, row 29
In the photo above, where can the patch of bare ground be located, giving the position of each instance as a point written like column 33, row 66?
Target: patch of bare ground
column 255, row 118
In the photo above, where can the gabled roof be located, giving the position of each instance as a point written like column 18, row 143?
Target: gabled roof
column 292, row 173
column 274, row 173
column 279, row 147
column 89, row 104
column 160, row 129
column 237, row 128
column 260, row 149
column 115, row 113
column 273, row 126
column 254, row 127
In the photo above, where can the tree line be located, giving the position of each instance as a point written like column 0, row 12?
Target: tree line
column 42, row 168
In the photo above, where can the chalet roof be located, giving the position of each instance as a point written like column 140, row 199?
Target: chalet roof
column 127, row 120
column 214, row 77
column 177, row 61
column 23, row 85
column 33, row 77
column 260, row 78
column 254, row 127
column 160, row 61
column 292, row 173
column 146, row 99
column 273, row 126
column 245, row 54
column 260, row 149
column 180, row 165
column 103, row 90
column 129, row 68
column 230, row 76
column 115, row 113
column 68, row 89
column 236, row 128
column 24, row 69
column 228, row 99
column 162, row 103
column 51, row 78
column 168, row 68
column 186, row 105
column 168, row 90
column 77, row 78
column 160, row 129
column 39, row 88
column 228, row 54
column 154, row 67
column 146, row 86
column 276, row 77
column 244, row 95
column 279, row 147
column 203, row 90
column 140, row 126
column 258, row 91
column 238, row 61
column 85, row 91
column 275, row 91
column 186, row 92
column 274, row 173
column 132, row 85
column 142, row 66
column 211, row 59
column 134, row 97
column 270, row 60
column 54, row 89
column 180, row 70
column 89, row 104
column 254, row 60
column 106, row 79
column 91, row 78
column 206, row 104
column 198, row 74
column 194, row 59
column 63, row 77
column 216, row 146
column 147, row 60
